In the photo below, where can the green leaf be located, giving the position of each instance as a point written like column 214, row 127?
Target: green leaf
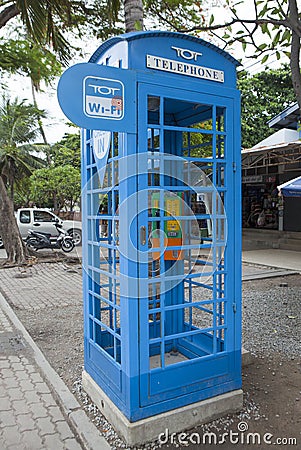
column 264, row 59
column 276, row 12
column 264, row 28
column 277, row 38
column 211, row 19
column 263, row 11
column 263, row 95
column 262, row 46
column 286, row 35
column 138, row 25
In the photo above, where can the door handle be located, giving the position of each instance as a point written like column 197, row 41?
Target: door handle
column 143, row 235
column 36, row 224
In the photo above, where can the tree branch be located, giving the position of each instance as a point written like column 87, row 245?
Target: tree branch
column 294, row 17
column 257, row 22
column 169, row 22
column 281, row 9
column 7, row 14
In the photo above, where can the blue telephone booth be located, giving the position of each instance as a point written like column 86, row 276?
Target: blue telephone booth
column 161, row 212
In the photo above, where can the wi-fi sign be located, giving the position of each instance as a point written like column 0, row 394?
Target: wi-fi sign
column 103, row 98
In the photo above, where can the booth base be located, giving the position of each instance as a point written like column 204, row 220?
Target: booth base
column 246, row 358
column 174, row 421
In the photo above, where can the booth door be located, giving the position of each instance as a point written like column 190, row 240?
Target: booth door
column 189, row 340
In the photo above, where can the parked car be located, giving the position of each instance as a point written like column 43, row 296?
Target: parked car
column 43, row 220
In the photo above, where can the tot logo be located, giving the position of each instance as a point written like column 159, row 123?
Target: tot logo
column 186, row 53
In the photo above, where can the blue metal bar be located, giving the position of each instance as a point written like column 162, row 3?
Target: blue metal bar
column 103, row 299
column 104, row 272
column 184, row 334
column 186, row 218
column 197, row 305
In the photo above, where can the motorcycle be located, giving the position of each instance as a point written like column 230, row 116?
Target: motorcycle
column 38, row 240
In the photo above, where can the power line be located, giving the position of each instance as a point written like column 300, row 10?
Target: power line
column 247, row 67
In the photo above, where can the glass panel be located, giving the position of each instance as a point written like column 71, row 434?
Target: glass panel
column 220, row 146
column 220, row 175
column 25, row 216
column 153, row 109
column 115, row 144
column 153, row 167
column 153, row 138
column 103, row 263
column 197, row 145
column 220, row 118
column 187, row 114
column 43, row 216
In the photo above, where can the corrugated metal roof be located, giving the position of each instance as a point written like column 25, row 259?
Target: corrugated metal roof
column 280, row 146
column 281, row 139
column 288, row 118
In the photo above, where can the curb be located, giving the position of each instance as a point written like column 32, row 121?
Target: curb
column 79, row 422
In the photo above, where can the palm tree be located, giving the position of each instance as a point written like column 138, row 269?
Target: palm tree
column 133, row 13
column 42, row 20
column 18, row 127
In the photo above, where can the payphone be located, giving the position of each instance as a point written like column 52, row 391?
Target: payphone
column 173, row 232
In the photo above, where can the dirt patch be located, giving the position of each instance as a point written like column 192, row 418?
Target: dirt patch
column 58, row 332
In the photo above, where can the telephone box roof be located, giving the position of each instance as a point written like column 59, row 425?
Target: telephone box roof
column 147, row 34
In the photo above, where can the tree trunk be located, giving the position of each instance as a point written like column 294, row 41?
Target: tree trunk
column 40, row 123
column 55, row 202
column 11, row 184
column 295, row 51
column 9, row 231
column 133, row 15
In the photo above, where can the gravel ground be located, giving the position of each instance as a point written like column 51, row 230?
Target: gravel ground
column 271, row 332
column 272, row 316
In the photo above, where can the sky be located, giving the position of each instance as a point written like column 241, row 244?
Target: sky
column 55, row 124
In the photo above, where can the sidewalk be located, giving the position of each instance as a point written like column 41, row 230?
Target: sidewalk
column 37, row 411
column 284, row 259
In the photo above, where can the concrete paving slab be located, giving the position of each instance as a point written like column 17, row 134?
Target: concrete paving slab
column 37, row 410
column 284, row 259
column 255, row 272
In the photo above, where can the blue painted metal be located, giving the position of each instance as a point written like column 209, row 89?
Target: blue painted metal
column 162, row 332
column 98, row 97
